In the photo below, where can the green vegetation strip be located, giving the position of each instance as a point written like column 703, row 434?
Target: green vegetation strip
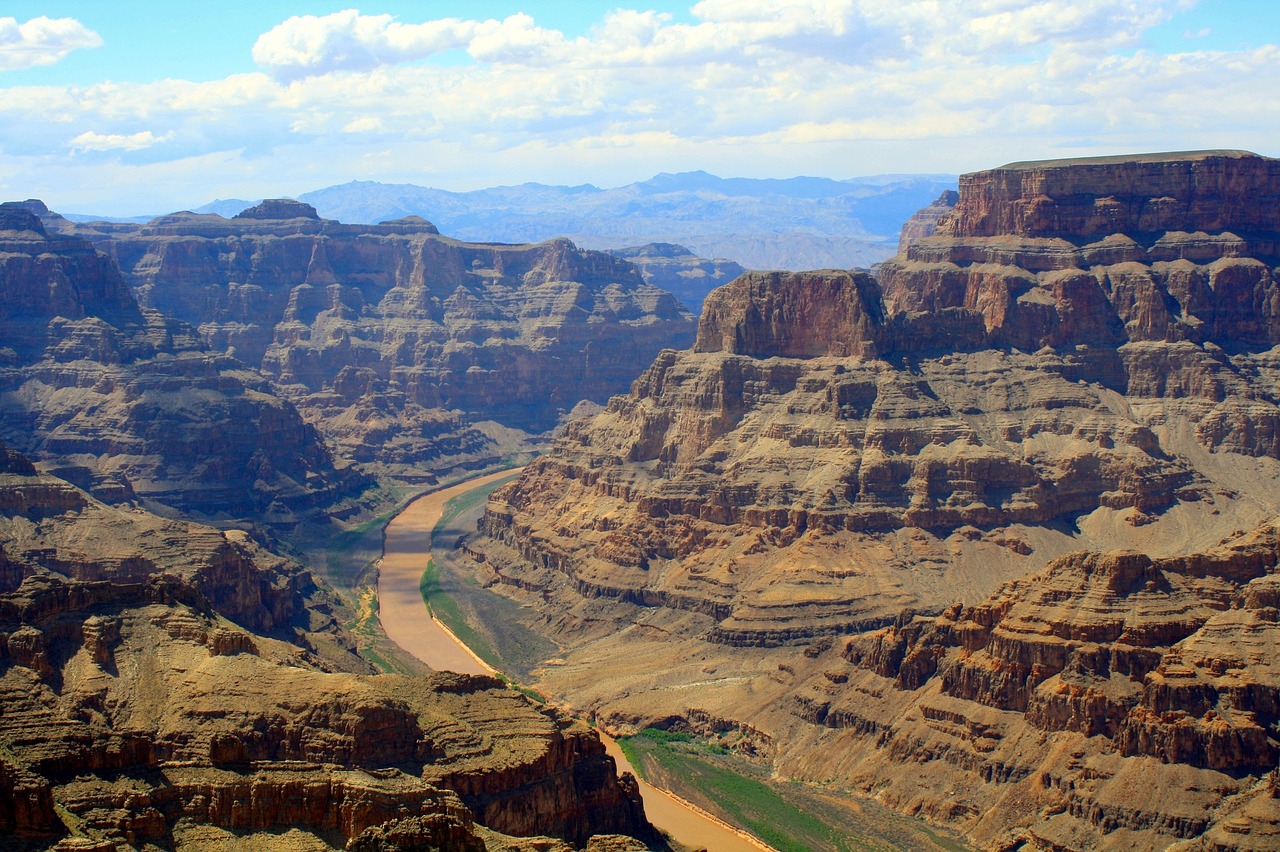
column 468, row 500
column 446, row 609
column 438, row 601
column 343, row 567
column 743, row 801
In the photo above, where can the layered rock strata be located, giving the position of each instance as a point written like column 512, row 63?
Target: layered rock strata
column 162, row 682
column 130, row 404
column 409, row 351
column 1081, row 355
column 1112, row 700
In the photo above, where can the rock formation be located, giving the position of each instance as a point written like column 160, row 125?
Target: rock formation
column 842, row 481
column 679, row 271
column 164, row 684
column 411, row 353
column 129, row 402
column 924, row 223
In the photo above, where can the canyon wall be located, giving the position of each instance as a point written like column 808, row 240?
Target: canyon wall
column 168, row 684
column 1077, row 355
column 410, row 352
column 130, row 404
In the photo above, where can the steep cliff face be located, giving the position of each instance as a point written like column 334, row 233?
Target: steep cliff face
column 165, row 683
column 409, row 351
column 91, row 382
column 838, row 450
column 1209, row 191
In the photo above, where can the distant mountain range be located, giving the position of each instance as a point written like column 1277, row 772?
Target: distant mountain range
column 797, row 223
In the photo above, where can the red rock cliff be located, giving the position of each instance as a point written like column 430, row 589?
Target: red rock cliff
column 1086, row 198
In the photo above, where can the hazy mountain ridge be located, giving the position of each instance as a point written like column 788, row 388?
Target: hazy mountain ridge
column 802, row 222
column 792, row 223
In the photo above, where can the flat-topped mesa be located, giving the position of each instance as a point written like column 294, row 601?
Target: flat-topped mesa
column 1210, row 191
column 414, row 223
column 16, row 219
column 279, row 208
column 794, row 315
column 1105, row 251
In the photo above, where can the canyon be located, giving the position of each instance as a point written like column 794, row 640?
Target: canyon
column 165, row 684
column 381, row 355
column 988, row 535
column 178, row 401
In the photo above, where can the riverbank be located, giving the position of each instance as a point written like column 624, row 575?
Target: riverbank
column 406, row 551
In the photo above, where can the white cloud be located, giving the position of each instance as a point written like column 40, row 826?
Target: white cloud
column 90, row 141
column 364, row 124
column 41, row 41
column 348, row 41
column 839, row 87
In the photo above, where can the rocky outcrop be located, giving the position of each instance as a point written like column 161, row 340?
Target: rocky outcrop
column 1180, row 192
column 1105, row 252
column 679, row 271
column 826, row 407
column 130, row 403
column 1035, row 703
column 924, row 222
column 160, row 681
column 279, row 208
column 411, row 353
column 843, row 481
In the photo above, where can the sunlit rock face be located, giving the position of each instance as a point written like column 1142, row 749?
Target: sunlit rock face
column 1070, row 355
column 168, row 684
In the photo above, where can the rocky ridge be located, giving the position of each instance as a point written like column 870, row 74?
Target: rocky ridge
column 796, row 223
column 1079, row 356
column 411, row 353
column 164, row 684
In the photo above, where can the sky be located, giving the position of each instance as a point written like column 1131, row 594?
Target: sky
column 138, row 107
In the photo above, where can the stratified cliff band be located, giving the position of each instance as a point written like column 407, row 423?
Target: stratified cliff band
column 168, row 685
column 411, row 354
column 850, row 519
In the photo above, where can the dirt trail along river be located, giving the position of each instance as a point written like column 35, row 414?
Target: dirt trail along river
column 405, row 551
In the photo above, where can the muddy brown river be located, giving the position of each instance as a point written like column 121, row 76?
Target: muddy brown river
column 406, row 549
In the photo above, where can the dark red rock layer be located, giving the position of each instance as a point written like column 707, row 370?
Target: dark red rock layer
column 1086, row 198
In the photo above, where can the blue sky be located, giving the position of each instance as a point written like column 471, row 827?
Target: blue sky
column 139, row 106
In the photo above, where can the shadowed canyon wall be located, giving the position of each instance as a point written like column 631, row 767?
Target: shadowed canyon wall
column 130, row 403
column 410, row 352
